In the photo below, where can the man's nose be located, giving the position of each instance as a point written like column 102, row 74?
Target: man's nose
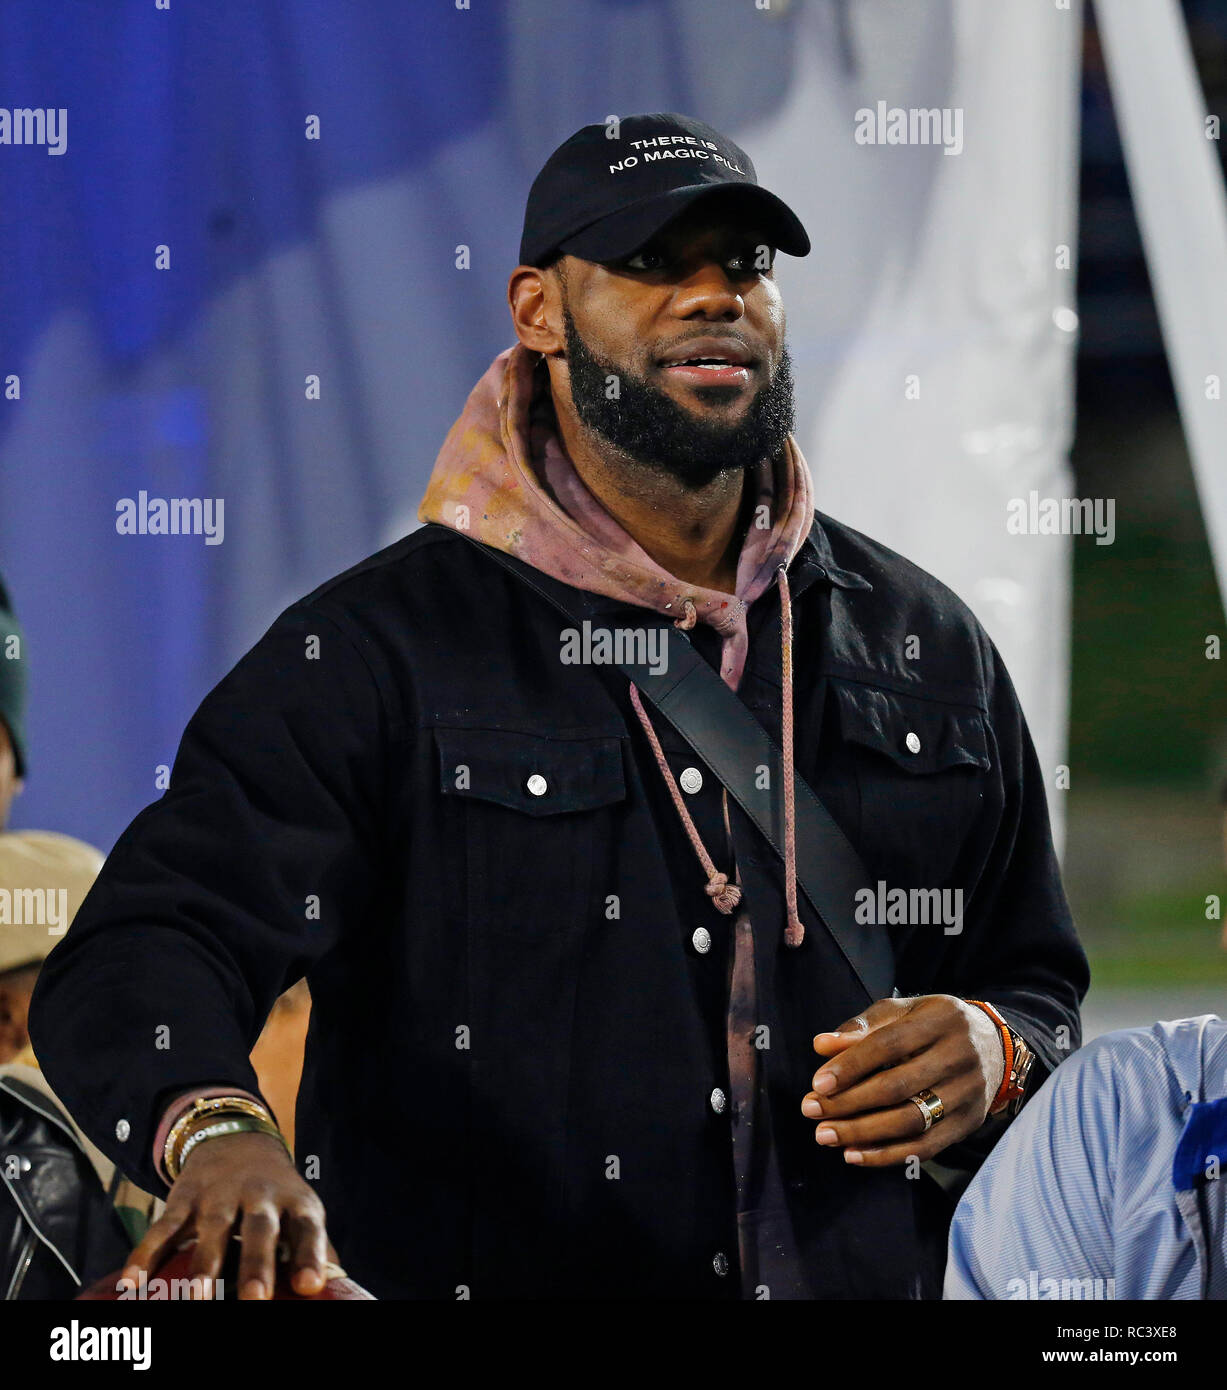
column 708, row 292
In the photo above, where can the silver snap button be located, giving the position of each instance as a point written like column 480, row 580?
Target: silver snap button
column 720, row 1263
column 913, row 743
column 718, row 1101
column 691, row 780
column 701, row 940
column 537, row 784
column 122, row 1130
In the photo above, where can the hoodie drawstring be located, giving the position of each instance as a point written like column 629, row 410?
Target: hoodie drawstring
column 794, row 931
column 725, row 895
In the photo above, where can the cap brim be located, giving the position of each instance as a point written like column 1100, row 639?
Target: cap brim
column 626, row 230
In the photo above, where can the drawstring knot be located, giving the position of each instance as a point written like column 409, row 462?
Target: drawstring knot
column 724, row 895
column 688, row 618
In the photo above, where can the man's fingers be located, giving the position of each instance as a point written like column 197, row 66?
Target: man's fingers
column 258, row 1262
column 853, row 1029
column 925, row 1147
column 309, row 1247
column 882, row 1127
column 882, row 1047
column 213, row 1229
column 879, row 1012
column 828, row 1044
column 942, row 1062
column 156, row 1242
column 905, row 1120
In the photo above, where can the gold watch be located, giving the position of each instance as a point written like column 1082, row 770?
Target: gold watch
column 1020, row 1070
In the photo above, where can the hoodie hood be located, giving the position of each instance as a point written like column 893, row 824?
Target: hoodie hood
column 503, row 477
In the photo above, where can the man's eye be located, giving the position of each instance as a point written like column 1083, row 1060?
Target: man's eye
column 749, row 260
column 752, row 259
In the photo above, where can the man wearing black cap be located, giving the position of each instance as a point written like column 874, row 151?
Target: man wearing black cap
column 572, row 997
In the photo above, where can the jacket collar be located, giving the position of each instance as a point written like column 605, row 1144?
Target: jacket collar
column 813, row 561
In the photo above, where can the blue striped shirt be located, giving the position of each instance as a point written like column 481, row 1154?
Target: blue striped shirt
column 1078, row 1200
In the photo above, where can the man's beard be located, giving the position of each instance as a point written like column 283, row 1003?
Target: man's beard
column 650, row 427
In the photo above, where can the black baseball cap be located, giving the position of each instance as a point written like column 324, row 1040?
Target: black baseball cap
column 601, row 196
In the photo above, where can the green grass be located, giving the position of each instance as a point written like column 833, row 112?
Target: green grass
column 1147, row 706
column 1159, row 939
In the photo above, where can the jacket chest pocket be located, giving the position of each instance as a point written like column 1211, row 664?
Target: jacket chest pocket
column 919, row 768
column 537, row 820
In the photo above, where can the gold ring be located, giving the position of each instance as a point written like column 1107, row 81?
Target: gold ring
column 929, row 1103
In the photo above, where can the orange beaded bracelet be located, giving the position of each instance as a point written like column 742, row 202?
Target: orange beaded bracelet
column 1001, row 1099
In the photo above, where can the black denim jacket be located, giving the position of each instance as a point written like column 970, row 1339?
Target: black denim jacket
column 514, row 1038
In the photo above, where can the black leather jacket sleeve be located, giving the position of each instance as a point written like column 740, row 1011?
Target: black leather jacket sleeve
column 58, row 1227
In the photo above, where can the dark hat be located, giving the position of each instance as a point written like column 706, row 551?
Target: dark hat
column 600, row 198
column 13, row 680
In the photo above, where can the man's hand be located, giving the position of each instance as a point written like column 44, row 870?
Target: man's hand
column 893, row 1050
column 244, row 1184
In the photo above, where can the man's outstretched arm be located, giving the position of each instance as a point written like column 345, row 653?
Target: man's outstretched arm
column 215, row 899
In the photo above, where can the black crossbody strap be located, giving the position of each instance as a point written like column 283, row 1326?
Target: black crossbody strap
column 730, row 740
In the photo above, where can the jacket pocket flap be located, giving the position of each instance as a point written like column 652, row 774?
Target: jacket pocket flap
column 534, row 773
column 919, row 735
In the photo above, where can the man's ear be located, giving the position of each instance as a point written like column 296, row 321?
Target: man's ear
column 535, row 300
